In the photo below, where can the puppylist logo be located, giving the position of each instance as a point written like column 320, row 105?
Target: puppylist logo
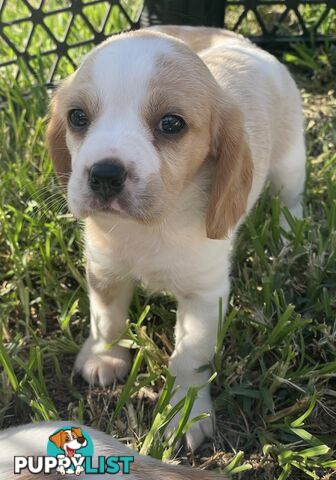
column 70, row 452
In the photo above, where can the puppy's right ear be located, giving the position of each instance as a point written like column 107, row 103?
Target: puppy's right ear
column 56, row 142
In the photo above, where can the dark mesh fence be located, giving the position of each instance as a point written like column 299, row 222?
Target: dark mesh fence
column 45, row 38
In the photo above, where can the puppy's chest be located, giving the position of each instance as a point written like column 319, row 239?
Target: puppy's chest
column 160, row 266
column 172, row 263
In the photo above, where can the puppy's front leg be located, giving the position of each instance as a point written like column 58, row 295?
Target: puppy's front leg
column 196, row 331
column 109, row 301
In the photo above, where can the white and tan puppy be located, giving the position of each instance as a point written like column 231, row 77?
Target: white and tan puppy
column 164, row 146
column 31, row 440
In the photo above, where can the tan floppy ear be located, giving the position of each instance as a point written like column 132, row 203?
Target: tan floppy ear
column 58, row 438
column 232, row 177
column 56, row 142
column 77, row 431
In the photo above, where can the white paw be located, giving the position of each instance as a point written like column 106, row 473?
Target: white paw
column 99, row 366
column 200, row 430
column 60, row 470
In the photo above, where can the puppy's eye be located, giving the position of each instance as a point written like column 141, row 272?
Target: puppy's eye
column 77, row 118
column 171, row 124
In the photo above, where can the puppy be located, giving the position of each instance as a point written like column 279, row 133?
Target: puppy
column 164, row 146
column 31, row 440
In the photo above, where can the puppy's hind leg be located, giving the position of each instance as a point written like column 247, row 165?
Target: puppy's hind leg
column 288, row 178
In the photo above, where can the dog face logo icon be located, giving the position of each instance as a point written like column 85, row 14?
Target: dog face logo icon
column 70, row 446
column 70, row 452
column 69, row 440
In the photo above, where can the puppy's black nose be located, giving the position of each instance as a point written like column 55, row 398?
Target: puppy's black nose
column 107, row 179
column 81, row 440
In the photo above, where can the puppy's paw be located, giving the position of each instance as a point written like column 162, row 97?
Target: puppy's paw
column 60, row 470
column 200, row 430
column 99, row 366
column 79, row 470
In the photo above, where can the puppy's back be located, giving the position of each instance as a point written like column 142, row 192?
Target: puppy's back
column 198, row 38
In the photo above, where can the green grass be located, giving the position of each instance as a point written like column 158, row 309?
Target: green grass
column 275, row 361
column 102, row 17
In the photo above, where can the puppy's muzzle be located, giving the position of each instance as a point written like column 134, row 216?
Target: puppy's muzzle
column 107, row 179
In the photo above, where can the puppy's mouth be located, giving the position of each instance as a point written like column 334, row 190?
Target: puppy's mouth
column 144, row 206
column 133, row 211
column 115, row 206
column 69, row 451
column 93, row 206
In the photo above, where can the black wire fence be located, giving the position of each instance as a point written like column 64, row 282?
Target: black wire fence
column 46, row 38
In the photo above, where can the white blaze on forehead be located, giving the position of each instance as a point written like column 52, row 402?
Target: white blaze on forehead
column 121, row 71
column 123, row 68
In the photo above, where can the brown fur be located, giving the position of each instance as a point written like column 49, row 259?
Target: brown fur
column 182, row 154
column 77, row 431
column 210, row 129
column 68, row 96
column 58, row 438
column 56, row 142
column 233, row 175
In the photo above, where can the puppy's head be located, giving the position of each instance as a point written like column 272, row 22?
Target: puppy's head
column 134, row 124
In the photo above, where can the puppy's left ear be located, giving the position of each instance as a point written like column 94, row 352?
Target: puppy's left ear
column 233, row 173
